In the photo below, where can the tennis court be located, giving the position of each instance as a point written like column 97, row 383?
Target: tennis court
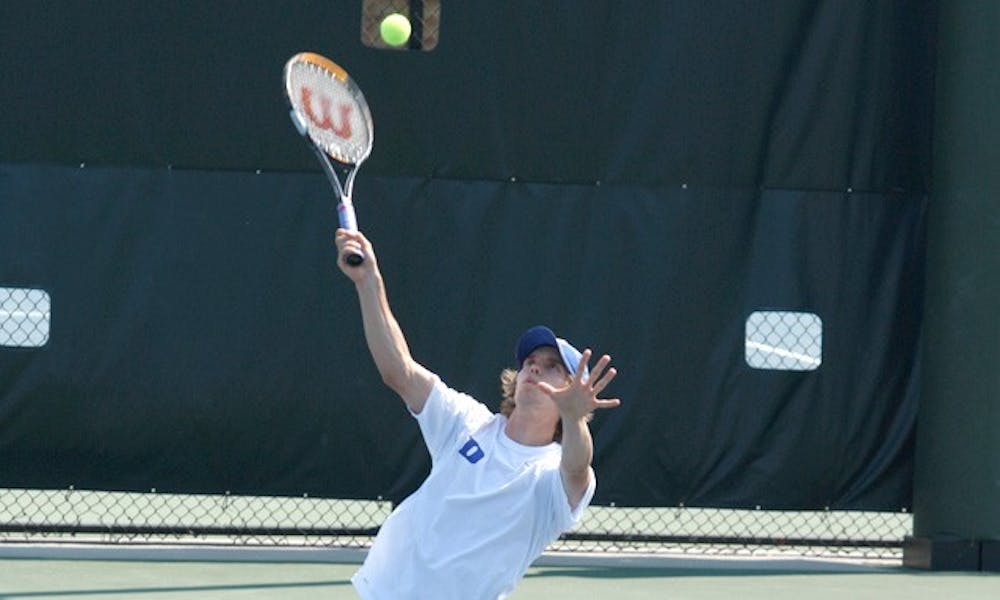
column 733, row 200
column 679, row 578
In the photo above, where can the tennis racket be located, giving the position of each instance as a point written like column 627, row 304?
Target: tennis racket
column 330, row 112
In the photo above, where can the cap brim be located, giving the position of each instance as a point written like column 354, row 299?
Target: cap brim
column 540, row 336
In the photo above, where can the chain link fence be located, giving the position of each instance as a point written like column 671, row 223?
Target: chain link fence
column 24, row 317
column 784, row 340
column 155, row 518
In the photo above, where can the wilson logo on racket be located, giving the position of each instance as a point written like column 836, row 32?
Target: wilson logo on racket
column 326, row 122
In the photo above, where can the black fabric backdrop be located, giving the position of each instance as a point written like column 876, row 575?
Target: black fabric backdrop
column 781, row 93
column 639, row 180
column 202, row 339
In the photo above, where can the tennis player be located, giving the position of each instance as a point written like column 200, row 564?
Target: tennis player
column 502, row 486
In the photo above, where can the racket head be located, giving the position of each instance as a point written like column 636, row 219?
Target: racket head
column 329, row 108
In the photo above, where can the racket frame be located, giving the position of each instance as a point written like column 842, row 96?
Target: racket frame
column 336, row 164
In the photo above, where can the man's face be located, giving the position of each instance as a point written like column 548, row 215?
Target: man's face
column 543, row 365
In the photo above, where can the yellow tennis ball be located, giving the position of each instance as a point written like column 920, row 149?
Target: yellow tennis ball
column 395, row 29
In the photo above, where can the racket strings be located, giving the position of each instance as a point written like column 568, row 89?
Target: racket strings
column 334, row 113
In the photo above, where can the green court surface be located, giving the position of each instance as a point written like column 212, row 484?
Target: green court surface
column 118, row 580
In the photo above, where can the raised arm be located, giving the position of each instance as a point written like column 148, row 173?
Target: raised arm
column 576, row 401
column 385, row 339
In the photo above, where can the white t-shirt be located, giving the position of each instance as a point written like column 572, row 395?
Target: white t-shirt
column 488, row 509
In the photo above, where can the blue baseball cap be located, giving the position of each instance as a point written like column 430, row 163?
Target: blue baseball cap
column 539, row 336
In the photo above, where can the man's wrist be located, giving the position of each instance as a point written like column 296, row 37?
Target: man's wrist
column 372, row 282
column 574, row 420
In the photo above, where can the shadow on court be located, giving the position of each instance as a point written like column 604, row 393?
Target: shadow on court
column 174, row 579
column 652, row 583
column 655, row 573
column 134, row 591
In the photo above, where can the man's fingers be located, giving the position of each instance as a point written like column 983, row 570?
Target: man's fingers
column 350, row 247
column 351, row 243
column 611, row 403
column 601, row 364
column 344, row 237
column 605, row 379
column 546, row 388
column 599, row 377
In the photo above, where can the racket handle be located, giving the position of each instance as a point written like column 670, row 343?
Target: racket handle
column 345, row 213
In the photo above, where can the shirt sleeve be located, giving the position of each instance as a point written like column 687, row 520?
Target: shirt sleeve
column 565, row 518
column 447, row 413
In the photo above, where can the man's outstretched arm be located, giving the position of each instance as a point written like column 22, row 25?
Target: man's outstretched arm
column 576, row 401
column 385, row 339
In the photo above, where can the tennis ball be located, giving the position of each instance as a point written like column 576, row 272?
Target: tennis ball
column 395, row 29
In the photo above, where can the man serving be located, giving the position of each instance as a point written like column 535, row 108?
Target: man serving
column 502, row 486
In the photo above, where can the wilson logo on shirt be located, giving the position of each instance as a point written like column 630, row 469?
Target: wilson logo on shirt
column 471, row 451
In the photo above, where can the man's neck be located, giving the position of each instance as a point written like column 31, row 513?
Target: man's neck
column 528, row 429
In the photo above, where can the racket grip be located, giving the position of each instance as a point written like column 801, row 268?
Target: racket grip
column 345, row 214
